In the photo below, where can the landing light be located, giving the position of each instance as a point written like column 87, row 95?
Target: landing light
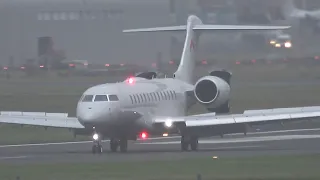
column 168, row 123
column 95, row 137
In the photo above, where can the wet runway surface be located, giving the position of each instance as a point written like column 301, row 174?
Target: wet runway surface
column 238, row 145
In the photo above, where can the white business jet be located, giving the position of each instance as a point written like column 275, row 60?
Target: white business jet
column 145, row 105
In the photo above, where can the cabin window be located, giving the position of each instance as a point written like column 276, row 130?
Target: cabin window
column 135, row 99
column 171, row 94
column 148, row 95
column 162, row 95
column 158, row 96
column 175, row 95
column 145, row 97
column 131, row 99
column 168, row 95
column 100, row 98
column 142, row 100
column 113, row 98
column 87, row 98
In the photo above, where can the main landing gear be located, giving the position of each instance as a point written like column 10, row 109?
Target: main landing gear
column 115, row 143
column 189, row 140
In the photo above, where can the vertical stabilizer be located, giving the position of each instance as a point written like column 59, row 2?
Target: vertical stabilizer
column 291, row 11
column 187, row 61
column 193, row 29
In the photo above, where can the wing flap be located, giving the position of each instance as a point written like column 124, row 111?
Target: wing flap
column 262, row 116
column 283, row 110
column 59, row 120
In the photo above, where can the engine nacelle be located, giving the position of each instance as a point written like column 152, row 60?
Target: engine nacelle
column 147, row 75
column 212, row 91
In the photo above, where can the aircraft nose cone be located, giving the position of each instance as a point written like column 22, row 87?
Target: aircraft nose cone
column 86, row 117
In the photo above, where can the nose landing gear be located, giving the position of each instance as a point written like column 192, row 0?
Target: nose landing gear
column 96, row 147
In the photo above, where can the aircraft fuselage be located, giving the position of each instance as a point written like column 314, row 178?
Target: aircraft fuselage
column 128, row 107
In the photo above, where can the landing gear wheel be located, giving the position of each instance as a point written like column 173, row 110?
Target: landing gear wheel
column 96, row 148
column 114, row 145
column 123, row 145
column 194, row 143
column 184, row 144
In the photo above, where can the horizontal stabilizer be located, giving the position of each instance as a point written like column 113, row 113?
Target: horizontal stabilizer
column 168, row 28
column 208, row 27
column 238, row 27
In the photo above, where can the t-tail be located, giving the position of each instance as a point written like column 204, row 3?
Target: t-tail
column 193, row 30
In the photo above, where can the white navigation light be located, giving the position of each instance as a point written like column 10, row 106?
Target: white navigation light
column 168, row 122
column 95, row 136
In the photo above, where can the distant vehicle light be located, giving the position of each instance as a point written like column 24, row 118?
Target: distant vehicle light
column 165, row 134
column 41, row 66
column 204, row 62
column 288, row 45
column 86, row 64
column 170, row 62
column 272, row 42
column 121, row 64
column 278, row 45
column 22, row 67
column 238, row 62
column 71, row 65
column 107, row 65
column 316, row 57
column 5, row 68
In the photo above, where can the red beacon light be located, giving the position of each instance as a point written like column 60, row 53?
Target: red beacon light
column 144, row 135
column 130, row 80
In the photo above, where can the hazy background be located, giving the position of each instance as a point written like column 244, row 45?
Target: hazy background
column 92, row 29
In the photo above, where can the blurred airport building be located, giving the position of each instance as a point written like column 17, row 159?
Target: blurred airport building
column 92, row 29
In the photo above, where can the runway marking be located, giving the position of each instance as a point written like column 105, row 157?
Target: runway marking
column 245, row 139
column 73, row 142
column 14, row 157
column 156, row 138
column 230, row 147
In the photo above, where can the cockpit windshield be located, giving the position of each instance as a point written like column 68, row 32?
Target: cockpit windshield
column 87, row 98
column 100, row 98
column 113, row 98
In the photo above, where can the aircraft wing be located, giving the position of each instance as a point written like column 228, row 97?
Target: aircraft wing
column 261, row 116
column 58, row 120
